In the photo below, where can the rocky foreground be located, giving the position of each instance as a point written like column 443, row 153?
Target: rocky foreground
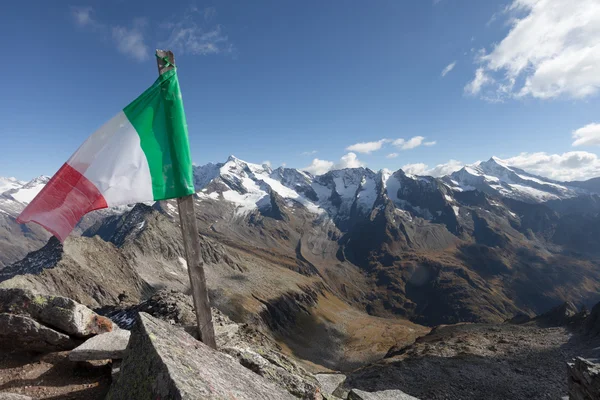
column 55, row 348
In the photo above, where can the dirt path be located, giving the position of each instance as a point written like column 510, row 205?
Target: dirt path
column 53, row 376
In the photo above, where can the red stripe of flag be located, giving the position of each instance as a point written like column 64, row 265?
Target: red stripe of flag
column 66, row 198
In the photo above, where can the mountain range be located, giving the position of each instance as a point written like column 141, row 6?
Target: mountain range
column 347, row 255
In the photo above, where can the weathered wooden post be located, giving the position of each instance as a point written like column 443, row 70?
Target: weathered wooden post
column 191, row 242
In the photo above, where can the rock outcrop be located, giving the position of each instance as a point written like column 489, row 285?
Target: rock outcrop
column 41, row 323
column 163, row 361
column 107, row 346
column 330, row 382
column 562, row 315
column 60, row 313
column 251, row 348
column 584, row 379
column 23, row 333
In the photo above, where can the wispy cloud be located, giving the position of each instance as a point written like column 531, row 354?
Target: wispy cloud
column 481, row 78
column 448, row 68
column 411, row 143
column 130, row 41
column 588, row 135
column 367, row 147
column 195, row 33
column 309, row 153
column 552, row 49
column 392, row 155
column 83, row 16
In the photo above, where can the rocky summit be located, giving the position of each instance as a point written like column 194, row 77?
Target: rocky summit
column 166, row 362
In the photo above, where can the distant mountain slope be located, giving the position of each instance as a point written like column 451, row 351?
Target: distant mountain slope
column 495, row 177
column 479, row 245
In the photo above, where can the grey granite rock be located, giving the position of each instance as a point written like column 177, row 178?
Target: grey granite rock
column 60, row 313
column 356, row 394
column 276, row 368
column 584, row 379
column 163, row 361
column 14, row 396
column 330, row 382
column 110, row 345
column 19, row 332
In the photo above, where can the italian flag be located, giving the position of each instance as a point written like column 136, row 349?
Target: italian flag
column 141, row 154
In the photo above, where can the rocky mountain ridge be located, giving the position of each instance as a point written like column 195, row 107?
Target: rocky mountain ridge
column 321, row 263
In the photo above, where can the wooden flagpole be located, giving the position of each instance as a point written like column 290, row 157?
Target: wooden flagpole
column 191, row 242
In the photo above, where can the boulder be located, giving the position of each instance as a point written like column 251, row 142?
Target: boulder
column 250, row 347
column 163, row 361
column 330, row 382
column 584, row 379
column 60, row 313
column 356, row 394
column 561, row 315
column 106, row 346
column 22, row 333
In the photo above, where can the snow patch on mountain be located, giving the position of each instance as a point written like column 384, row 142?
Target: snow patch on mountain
column 10, row 183
column 495, row 176
column 25, row 193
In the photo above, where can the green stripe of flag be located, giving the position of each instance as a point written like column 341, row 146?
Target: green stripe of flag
column 159, row 119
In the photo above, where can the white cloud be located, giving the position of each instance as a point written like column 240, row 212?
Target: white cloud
column 411, row 143
column 481, row 78
column 392, row 155
column 415, row 169
column 551, row 50
column 267, row 163
column 349, row 160
column 588, row 135
column 319, row 167
column 308, row 153
column 83, row 15
column 367, row 147
column 448, row 68
column 193, row 34
column 573, row 165
column 131, row 41
column 437, row 171
column 432, row 143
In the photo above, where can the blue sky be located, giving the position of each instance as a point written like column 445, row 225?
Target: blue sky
column 302, row 83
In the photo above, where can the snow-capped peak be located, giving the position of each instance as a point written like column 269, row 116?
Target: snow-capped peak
column 498, row 177
column 10, row 183
column 24, row 193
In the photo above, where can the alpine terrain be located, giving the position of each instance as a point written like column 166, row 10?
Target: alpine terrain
column 345, row 271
